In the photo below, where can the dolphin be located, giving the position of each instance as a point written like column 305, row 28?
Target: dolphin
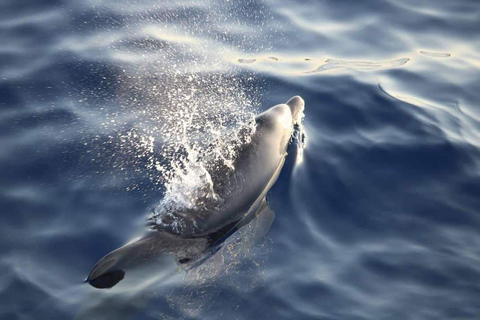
column 187, row 237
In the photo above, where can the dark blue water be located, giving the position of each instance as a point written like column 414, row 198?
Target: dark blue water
column 380, row 219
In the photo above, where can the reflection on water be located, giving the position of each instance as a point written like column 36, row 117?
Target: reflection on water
column 380, row 215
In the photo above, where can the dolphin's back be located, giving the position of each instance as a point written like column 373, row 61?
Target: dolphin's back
column 238, row 191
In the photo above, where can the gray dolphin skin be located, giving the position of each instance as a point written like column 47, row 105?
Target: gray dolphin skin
column 188, row 236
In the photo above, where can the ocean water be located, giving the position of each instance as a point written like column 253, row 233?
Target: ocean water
column 378, row 218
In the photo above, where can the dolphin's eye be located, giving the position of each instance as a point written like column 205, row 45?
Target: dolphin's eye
column 259, row 120
column 184, row 260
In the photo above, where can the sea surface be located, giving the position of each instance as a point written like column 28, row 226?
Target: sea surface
column 378, row 218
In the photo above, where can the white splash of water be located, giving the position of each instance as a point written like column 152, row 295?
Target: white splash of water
column 205, row 124
column 192, row 127
column 181, row 108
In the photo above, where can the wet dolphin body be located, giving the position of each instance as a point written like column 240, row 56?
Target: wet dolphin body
column 189, row 235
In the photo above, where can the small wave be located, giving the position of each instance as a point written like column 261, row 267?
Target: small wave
column 247, row 60
column 332, row 64
column 252, row 60
column 457, row 125
column 435, row 54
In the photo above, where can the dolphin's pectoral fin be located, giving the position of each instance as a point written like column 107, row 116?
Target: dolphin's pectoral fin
column 262, row 206
column 215, row 237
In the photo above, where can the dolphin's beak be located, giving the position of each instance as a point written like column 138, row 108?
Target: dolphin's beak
column 296, row 105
